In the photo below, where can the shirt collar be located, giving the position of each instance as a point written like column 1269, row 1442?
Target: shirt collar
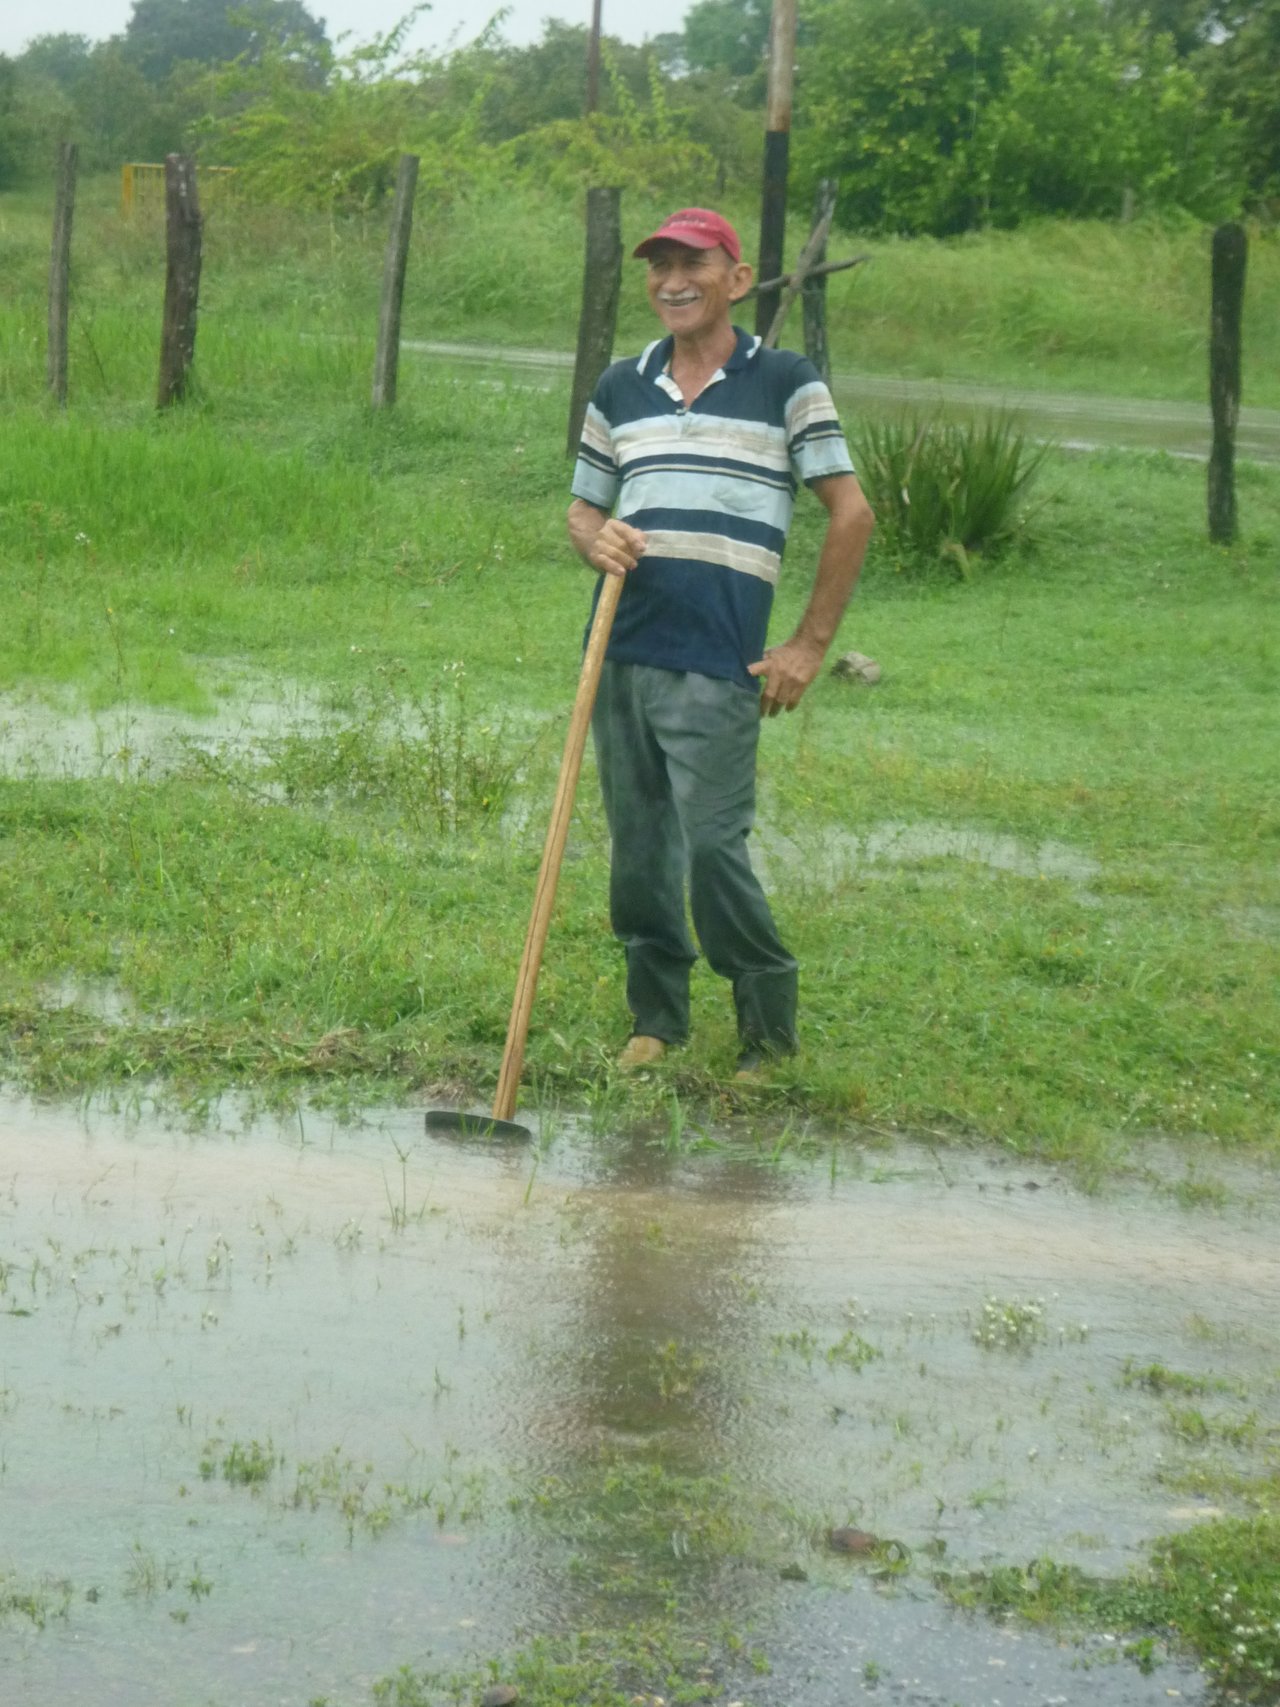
column 656, row 356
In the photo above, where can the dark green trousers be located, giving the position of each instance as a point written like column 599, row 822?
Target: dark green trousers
column 677, row 759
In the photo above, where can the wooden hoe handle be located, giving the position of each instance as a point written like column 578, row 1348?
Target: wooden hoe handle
column 504, row 1102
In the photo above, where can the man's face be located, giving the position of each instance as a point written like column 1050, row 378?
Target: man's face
column 692, row 290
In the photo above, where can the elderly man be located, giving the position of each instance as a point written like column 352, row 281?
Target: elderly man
column 689, row 464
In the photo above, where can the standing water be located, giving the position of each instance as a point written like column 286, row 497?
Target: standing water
column 287, row 1406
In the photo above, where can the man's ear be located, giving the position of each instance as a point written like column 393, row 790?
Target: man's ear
column 742, row 276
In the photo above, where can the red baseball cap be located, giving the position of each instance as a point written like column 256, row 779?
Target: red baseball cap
column 696, row 228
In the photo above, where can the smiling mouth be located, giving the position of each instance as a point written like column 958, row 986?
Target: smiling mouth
column 678, row 301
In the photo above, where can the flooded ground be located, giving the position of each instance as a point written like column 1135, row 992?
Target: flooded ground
column 287, row 1405
column 38, row 738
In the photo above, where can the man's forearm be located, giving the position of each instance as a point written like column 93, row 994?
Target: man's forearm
column 849, row 527
column 603, row 542
column 786, row 670
column 585, row 522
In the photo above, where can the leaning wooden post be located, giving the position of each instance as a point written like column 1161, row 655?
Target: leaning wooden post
column 601, row 288
column 386, row 363
column 183, row 228
column 777, row 140
column 795, row 282
column 60, row 271
column 1230, row 251
column 814, row 291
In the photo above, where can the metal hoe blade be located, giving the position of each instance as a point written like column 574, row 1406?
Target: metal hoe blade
column 457, row 1123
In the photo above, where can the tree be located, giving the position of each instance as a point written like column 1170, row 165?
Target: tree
column 727, row 35
column 11, row 136
column 888, row 100
column 1088, row 114
column 119, row 115
column 163, row 33
column 61, row 59
column 1240, row 73
column 941, row 115
column 1189, row 24
column 525, row 87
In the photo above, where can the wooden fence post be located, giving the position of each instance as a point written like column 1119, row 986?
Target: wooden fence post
column 601, row 287
column 386, row 363
column 777, row 143
column 814, row 291
column 183, row 229
column 60, row 271
column 592, row 104
column 1230, row 250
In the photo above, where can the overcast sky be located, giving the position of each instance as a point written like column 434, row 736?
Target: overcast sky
column 97, row 19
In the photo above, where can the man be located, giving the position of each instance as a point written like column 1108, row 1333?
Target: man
column 688, row 467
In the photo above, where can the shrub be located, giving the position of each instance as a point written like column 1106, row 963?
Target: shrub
column 944, row 492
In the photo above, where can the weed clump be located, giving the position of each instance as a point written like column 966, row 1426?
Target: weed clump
column 242, row 1465
column 1010, row 1324
column 944, row 493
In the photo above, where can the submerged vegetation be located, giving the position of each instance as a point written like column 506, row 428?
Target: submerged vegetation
column 1214, row 1591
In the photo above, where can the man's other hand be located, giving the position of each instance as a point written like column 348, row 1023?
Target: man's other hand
column 787, row 670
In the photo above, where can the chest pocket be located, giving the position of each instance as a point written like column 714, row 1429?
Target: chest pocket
column 753, row 498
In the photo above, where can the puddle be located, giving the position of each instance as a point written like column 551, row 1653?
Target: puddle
column 833, row 854
column 125, row 741
column 286, row 1406
column 99, row 998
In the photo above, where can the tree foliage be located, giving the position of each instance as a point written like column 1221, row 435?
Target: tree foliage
column 63, row 60
column 11, row 139
column 336, row 145
column 1088, row 117
column 727, row 35
column 889, row 100
column 162, row 34
column 936, row 116
column 1241, row 73
column 941, row 115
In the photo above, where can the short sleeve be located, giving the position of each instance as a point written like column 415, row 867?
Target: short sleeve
column 815, row 439
column 596, row 479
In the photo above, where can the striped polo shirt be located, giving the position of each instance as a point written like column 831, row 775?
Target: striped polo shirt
column 712, row 487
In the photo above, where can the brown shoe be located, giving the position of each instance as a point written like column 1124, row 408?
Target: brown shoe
column 640, row 1052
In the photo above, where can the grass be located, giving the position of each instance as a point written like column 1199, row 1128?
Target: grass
column 1088, row 306
column 1030, row 878
column 1213, row 1591
column 589, row 1668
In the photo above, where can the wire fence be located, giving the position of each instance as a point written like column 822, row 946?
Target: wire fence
column 142, row 186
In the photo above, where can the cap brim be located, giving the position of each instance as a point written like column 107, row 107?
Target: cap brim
column 690, row 237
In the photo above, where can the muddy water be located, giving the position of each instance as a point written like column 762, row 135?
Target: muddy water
column 286, row 1406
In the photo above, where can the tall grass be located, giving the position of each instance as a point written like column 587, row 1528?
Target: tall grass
column 1110, row 309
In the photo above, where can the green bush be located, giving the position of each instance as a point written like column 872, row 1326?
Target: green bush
column 944, row 492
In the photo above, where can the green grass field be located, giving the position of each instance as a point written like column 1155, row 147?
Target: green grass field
column 1031, row 877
